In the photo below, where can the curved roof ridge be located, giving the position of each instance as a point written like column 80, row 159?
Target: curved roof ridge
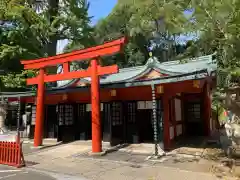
column 131, row 68
column 189, row 60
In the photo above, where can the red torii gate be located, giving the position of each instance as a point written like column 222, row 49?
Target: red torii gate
column 94, row 71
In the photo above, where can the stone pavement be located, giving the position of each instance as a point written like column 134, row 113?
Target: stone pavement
column 9, row 173
column 72, row 160
column 107, row 170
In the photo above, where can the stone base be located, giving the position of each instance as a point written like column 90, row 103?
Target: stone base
column 38, row 147
column 97, row 153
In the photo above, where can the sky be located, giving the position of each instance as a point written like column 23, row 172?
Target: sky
column 98, row 9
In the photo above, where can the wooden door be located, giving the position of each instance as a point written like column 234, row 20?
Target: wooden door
column 50, row 122
column 194, row 120
column 82, row 122
column 130, row 122
column 66, row 124
column 117, row 123
column 106, row 122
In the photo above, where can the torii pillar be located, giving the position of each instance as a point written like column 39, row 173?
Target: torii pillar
column 96, row 124
column 38, row 134
column 94, row 71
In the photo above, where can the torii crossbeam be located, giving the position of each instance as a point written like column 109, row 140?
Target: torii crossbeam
column 94, row 71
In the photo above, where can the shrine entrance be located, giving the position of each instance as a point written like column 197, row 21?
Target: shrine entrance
column 50, row 122
column 66, row 122
column 120, row 122
column 94, row 71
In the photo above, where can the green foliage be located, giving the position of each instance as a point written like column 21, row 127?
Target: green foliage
column 30, row 30
column 12, row 80
column 218, row 24
column 115, row 26
column 139, row 21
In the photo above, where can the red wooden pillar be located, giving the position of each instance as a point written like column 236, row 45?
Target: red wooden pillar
column 207, row 108
column 96, row 124
column 166, row 111
column 38, row 133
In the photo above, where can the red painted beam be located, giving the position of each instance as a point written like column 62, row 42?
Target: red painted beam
column 77, row 57
column 65, row 67
column 74, row 74
column 101, row 50
column 60, row 77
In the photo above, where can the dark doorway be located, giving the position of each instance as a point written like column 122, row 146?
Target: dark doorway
column 66, row 123
column 83, row 122
column 11, row 119
column 120, row 122
column 50, row 122
column 117, row 123
column 194, row 124
column 145, row 125
column 106, row 122
column 130, row 122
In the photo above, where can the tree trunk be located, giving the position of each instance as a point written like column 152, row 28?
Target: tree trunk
column 53, row 12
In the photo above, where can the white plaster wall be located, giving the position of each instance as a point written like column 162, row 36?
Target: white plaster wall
column 178, row 110
column 141, row 104
column 145, row 104
column 149, row 104
column 89, row 107
column 171, row 131
column 179, row 130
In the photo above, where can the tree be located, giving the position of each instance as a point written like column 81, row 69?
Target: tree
column 116, row 25
column 218, row 26
column 142, row 22
column 29, row 31
column 217, row 23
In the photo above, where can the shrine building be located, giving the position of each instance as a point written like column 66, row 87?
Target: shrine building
column 175, row 94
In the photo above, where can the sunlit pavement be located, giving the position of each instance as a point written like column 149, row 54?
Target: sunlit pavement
column 9, row 173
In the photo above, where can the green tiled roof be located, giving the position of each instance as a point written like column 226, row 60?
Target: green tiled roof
column 196, row 68
column 171, row 68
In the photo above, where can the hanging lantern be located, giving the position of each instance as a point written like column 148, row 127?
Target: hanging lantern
column 113, row 92
column 196, row 83
column 160, row 89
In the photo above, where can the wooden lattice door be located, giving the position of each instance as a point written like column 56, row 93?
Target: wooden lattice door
column 82, row 122
column 66, row 124
column 130, row 121
column 50, row 122
column 194, row 118
column 117, row 123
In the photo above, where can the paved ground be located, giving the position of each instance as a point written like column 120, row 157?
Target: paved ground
column 73, row 160
column 8, row 173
